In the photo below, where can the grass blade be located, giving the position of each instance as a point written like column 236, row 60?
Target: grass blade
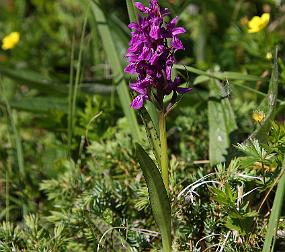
column 40, row 104
column 33, row 80
column 133, row 15
column 158, row 196
column 70, row 97
column 12, row 117
column 117, row 69
column 275, row 214
column 268, row 105
column 220, row 75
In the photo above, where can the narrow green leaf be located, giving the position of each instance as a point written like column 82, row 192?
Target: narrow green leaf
column 268, row 105
column 33, row 80
column 221, row 123
column 73, row 87
column 275, row 214
column 70, row 116
column 201, row 79
column 153, row 113
column 241, row 76
column 158, row 196
column 117, row 69
column 220, row 75
column 12, row 118
column 132, row 10
column 40, row 104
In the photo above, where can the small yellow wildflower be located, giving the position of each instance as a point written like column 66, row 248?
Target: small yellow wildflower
column 10, row 41
column 268, row 56
column 256, row 24
column 258, row 116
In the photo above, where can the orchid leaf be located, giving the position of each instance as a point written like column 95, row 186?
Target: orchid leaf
column 158, row 196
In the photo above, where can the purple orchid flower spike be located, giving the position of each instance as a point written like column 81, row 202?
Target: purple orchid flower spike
column 151, row 57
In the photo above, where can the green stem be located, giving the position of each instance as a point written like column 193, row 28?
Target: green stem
column 166, row 240
column 164, row 157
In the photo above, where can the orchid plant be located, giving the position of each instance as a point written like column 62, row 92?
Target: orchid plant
column 152, row 48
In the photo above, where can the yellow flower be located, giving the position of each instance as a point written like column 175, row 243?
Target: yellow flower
column 268, row 56
column 256, row 24
column 10, row 41
column 258, row 116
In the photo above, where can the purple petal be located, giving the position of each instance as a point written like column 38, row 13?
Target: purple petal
column 146, row 81
column 159, row 75
column 178, row 30
column 168, row 72
column 141, row 85
column 155, row 32
column 140, row 6
column 172, row 23
column 164, row 12
column 154, row 59
column 132, row 57
column 146, row 54
column 182, row 90
column 131, row 68
column 177, row 81
column 169, row 64
column 135, row 46
column 138, row 88
column 156, row 55
column 133, row 26
column 138, row 102
column 153, row 4
column 177, row 44
column 143, row 22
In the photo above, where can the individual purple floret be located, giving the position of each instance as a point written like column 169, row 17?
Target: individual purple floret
column 151, row 55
